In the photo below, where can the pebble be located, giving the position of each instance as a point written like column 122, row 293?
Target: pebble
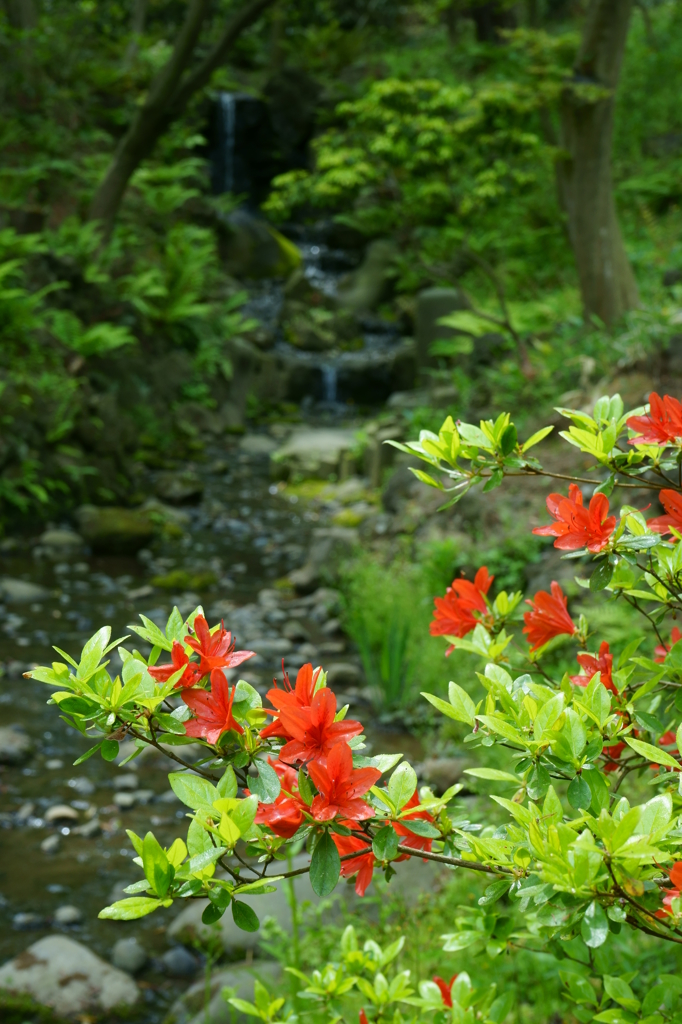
column 51, row 844
column 83, row 786
column 294, row 630
column 24, row 921
column 89, row 829
column 128, row 780
column 178, row 963
column 343, row 673
column 331, row 627
column 25, row 811
column 54, row 764
column 128, row 955
column 124, row 800
column 67, row 915
column 143, row 796
column 15, row 746
column 61, row 812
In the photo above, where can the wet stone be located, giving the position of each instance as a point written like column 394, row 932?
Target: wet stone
column 26, row 921
column 21, row 591
column 82, row 786
column 15, row 746
column 51, row 844
column 124, row 800
column 179, row 963
column 127, row 781
column 67, row 915
column 343, row 673
column 128, row 955
column 60, row 812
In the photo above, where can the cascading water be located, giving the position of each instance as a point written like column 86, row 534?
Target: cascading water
column 329, row 383
column 228, row 119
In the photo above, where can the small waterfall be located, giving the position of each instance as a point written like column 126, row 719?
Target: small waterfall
column 228, row 117
column 329, row 381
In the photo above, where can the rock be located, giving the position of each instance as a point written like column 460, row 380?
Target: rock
column 60, row 812
column 144, row 796
column 128, row 955
column 20, row 591
column 82, row 785
column 54, row 764
column 432, row 304
column 401, row 485
column 64, row 542
column 25, row 811
column 191, row 1007
column 51, row 844
column 255, row 249
column 308, row 329
column 88, row 829
column 66, row 976
column 332, row 627
column 329, row 548
column 312, row 453
column 257, row 444
column 113, row 530
column 269, row 598
column 271, row 647
column 124, row 800
column 127, row 780
column 305, row 579
column 179, row 963
column 327, row 601
column 67, row 915
column 26, row 921
column 179, row 488
column 441, row 772
column 15, row 746
column 343, row 674
column 298, row 286
column 294, row 631
column 368, row 285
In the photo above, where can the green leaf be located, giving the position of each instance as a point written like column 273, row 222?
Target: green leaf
column 493, row 774
column 227, row 787
column 131, row 909
column 109, row 750
column 192, row 790
column 508, row 440
column 594, row 926
column 601, row 577
column 420, row 827
column 385, row 844
column 402, row 784
column 87, row 754
column 93, row 652
column 325, row 866
column 245, row 917
column 494, row 892
column 579, row 793
column 535, row 438
column 651, row 753
column 267, row 786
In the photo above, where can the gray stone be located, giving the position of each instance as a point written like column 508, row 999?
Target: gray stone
column 179, row 963
column 82, row 785
column 343, row 674
column 127, row 780
column 441, row 772
column 305, row 579
column 191, row 1007
column 314, row 453
column 20, row 591
column 25, row 921
column 124, row 800
column 15, row 746
column 128, row 955
column 257, row 444
column 113, row 530
column 271, row 647
column 89, row 829
column 329, row 548
column 368, row 285
column 64, row 541
column 60, row 812
column 294, row 630
column 66, row 976
column 67, row 915
column 432, row 304
column 179, row 488
column 51, row 844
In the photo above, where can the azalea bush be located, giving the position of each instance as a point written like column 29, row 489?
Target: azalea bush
column 582, row 844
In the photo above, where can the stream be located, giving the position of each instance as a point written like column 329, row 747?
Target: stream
column 249, row 534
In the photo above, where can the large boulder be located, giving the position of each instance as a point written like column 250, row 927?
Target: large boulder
column 179, row 488
column 432, row 304
column 368, row 285
column 66, row 976
column 20, row 591
column 253, row 248
column 116, row 531
column 312, row 453
column 193, row 1007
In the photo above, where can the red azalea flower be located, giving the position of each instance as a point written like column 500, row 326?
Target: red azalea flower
column 445, row 988
column 613, row 753
column 672, row 503
column 463, row 606
column 213, row 710
column 292, row 699
column 576, row 526
column 363, row 1017
column 661, row 425
column 668, row 739
column 362, row 865
column 662, row 649
column 340, row 786
column 675, row 875
column 313, row 730
column 216, row 650
column 285, row 816
column 189, row 677
column 549, row 617
column 593, row 663
column 408, row 838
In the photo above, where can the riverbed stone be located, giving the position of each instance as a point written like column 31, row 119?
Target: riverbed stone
column 60, row 812
column 51, row 844
column 253, row 248
column 364, row 289
column 116, row 531
column 66, row 976
column 128, row 955
column 329, row 548
column 191, row 1007
column 21, row 591
column 67, row 915
column 312, row 453
column 344, row 674
column 179, row 488
column 15, row 746
column 179, row 963
column 257, row 444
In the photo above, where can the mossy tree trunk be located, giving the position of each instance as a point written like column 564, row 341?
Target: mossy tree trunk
column 607, row 283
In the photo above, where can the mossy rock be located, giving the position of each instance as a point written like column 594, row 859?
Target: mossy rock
column 18, row 1009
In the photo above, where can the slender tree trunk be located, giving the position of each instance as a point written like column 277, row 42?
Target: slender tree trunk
column 21, row 14
column 137, row 24
column 607, row 283
column 168, row 97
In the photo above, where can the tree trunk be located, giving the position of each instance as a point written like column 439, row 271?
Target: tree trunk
column 137, row 24
column 607, row 283
column 168, row 97
column 21, row 14
column 489, row 17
